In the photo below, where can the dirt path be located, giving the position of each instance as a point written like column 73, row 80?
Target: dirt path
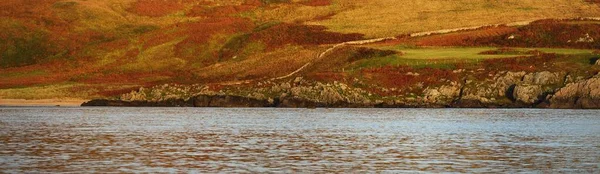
column 369, row 41
column 324, row 53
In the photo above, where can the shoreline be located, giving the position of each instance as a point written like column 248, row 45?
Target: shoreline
column 248, row 103
column 42, row 102
column 206, row 101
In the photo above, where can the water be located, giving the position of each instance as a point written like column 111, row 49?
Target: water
column 199, row 140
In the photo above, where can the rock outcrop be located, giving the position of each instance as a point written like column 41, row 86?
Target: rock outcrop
column 534, row 87
column 293, row 94
column 543, row 78
column 528, row 94
column 581, row 95
column 165, row 92
column 500, row 90
column 230, row 101
column 505, row 89
column 443, row 95
column 121, row 103
column 487, row 92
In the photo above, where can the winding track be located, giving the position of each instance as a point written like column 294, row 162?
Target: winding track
column 324, row 53
column 420, row 34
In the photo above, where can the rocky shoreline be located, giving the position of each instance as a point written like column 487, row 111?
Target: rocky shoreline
column 559, row 90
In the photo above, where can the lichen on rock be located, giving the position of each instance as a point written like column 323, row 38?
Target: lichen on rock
column 528, row 94
column 442, row 95
column 583, row 94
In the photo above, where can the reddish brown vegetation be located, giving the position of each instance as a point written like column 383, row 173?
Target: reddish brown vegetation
column 543, row 33
column 157, row 38
column 404, row 76
column 113, row 45
column 593, row 1
column 293, row 34
column 329, row 76
column 201, row 32
column 550, row 33
column 316, row 2
column 155, row 8
column 464, row 38
column 338, row 59
column 124, row 78
column 527, row 63
column 219, row 11
column 26, row 9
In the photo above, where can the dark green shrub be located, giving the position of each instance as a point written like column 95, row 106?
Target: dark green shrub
column 21, row 51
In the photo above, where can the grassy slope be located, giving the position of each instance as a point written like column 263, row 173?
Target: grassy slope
column 114, row 46
column 382, row 18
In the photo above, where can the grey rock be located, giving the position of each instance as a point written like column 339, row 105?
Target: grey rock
column 297, row 80
column 543, row 78
column 443, row 94
column 528, row 94
column 583, row 94
column 504, row 82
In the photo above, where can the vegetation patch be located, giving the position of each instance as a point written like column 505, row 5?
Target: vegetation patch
column 294, row 34
column 219, row 11
column 155, row 8
column 339, row 59
column 462, row 38
column 64, row 4
column 509, row 51
column 548, row 33
column 274, row 1
column 405, row 77
column 316, row 2
column 24, row 50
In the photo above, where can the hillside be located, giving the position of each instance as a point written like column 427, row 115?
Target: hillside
column 86, row 49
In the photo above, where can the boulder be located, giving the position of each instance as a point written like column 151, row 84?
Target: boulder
column 503, row 83
column 528, row 94
column 330, row 95
column 488, row 91
column 442, row 95
column 479, row 92
column 543, row 78
column 583, row 94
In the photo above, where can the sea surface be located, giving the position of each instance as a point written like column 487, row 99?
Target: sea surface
column 244, row 140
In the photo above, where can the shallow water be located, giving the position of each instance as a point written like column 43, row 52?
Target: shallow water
column 200, row 140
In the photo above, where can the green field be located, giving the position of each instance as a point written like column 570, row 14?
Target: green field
column 445, row 57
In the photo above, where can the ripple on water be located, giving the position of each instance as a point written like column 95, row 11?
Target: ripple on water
column 292, row 140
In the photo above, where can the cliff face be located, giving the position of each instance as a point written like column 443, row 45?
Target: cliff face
column 504, row 90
